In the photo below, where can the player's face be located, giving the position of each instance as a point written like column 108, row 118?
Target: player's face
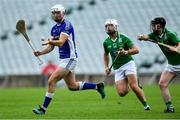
column 110, row 30
column 57, row 16
column 157, row 29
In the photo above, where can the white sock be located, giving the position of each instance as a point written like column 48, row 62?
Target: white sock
column 49, row 95
column 81, row 85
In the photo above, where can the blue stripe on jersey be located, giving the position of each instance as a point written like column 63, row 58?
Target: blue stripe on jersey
column 68, row 49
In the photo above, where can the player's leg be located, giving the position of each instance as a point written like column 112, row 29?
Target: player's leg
column 131, row 74
column 121, row 82
column 54, row 78
column 132, row 80
column 122, row 87
column 165, row 79
column 73, row 85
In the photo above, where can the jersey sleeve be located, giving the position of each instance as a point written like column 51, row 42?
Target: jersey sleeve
column 151, row 36
column 105, row 48
column 174, row 37
column 53, row 35
column 129, row 42
column 67, row 29
column 52, row 31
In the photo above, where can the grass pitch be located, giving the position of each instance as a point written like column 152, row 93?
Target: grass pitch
column 17, row 103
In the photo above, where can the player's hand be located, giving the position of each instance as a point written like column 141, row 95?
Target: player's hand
column 107, row 71
column 142, row 37
column 178, row 49
column 37, row 53
column 122, row 52
column 174, row 49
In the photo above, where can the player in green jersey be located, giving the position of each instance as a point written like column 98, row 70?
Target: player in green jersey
column 161, row 34
column 124, row 66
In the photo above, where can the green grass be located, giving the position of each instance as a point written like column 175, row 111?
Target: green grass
column 17, row 103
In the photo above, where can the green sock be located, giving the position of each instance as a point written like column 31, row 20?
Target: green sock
column 144, row 103
column 169, row 104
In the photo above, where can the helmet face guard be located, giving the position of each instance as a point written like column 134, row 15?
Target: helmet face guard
column 58, row 12
column 157, row 25
column 111, row 23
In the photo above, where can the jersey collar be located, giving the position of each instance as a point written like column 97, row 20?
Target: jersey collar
column 59, row 24
column 117, row 37
column 160, row 36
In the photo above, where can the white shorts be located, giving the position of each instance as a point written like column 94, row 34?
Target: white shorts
column 68, row 63
column 123, row 71
column 173, row 68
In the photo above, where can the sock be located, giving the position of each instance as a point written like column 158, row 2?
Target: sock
column 144, row 103
column 169, row 104
column 86, row 86
column 47, row 99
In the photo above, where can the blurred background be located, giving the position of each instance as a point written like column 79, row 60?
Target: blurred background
column 19, row 67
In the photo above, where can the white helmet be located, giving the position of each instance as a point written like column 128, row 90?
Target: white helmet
column 58, row 7
column 112, row 21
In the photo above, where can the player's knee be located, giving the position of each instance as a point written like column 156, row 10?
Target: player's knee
column 51, row 83
column 133, row 86
column 122, row 93
column 73, row 87
column 162, row 84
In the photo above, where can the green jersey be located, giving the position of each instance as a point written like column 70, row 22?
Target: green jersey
column 169, row 38
column 112, row 47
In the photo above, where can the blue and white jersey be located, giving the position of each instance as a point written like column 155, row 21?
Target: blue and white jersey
column 68, row 49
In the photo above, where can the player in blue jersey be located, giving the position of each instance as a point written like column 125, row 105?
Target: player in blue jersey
column 63, row 37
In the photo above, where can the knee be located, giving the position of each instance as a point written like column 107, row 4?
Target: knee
column 122, row 94
column 73, row 87
column 133, row 86
column 51, row 83
column 162, row 84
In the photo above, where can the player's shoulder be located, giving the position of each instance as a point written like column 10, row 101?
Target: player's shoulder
column 170, row 32
column 122, row 35
column 106, row 39
column 67, row 25
column 67, row 22
column 54, row 26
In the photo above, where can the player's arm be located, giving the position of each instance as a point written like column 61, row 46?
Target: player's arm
column 106, row 63
column 175, row 39
column 106, row 60
column 178, row 44
column 46, row 50
column 62, row 39
column 133, row 50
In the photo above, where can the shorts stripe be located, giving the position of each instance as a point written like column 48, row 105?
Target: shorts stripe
column 173, row 68
column 69, row 63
